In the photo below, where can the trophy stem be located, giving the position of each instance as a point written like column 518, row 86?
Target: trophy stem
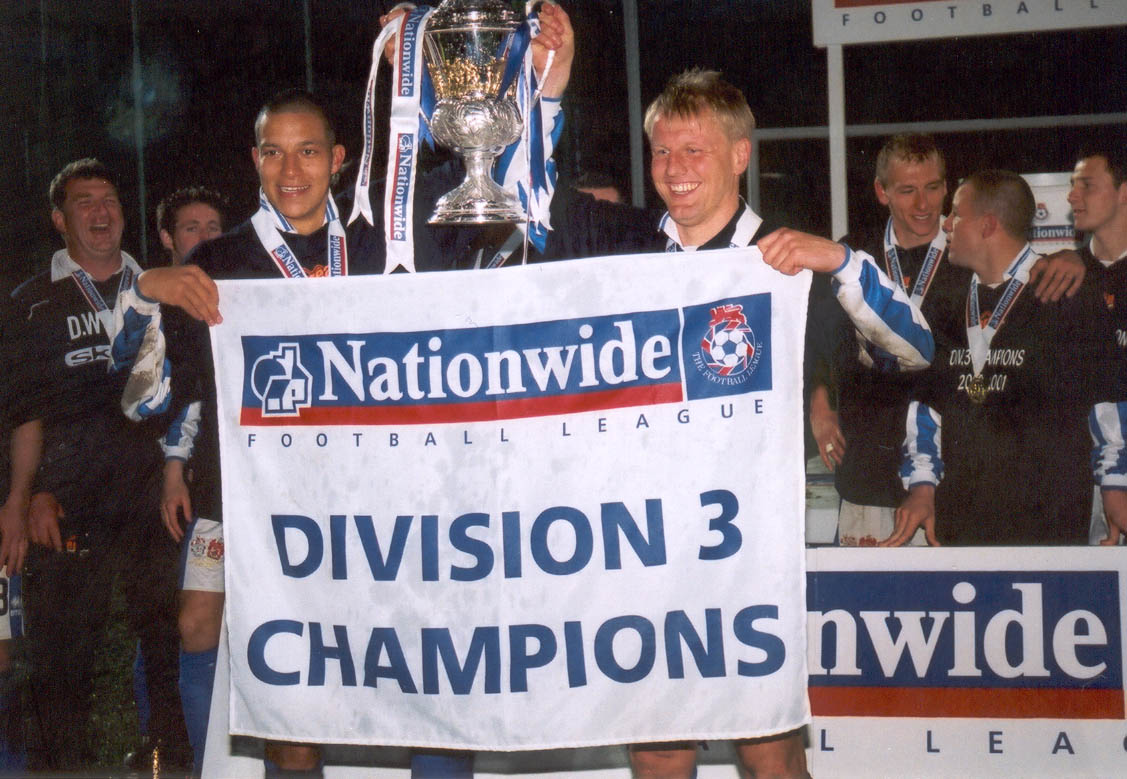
column 478, row 199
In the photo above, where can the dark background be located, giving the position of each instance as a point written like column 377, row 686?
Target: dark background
column 207, row 65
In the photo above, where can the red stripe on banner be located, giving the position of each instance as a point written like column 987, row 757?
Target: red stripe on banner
column 966, row 702
column 470, row 412
column 871, row 3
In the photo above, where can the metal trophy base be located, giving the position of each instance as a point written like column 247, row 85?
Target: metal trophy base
column 477, row 202
column 478, row 199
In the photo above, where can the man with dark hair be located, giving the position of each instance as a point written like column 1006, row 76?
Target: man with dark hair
column 97, row 471
column 297, row 233
column 187, row 217
column 1098, row 197
column 997, row 450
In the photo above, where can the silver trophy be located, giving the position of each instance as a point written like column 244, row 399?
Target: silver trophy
column 466, row 46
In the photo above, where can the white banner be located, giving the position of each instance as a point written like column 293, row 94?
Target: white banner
column 549, row 506
column 873, row 21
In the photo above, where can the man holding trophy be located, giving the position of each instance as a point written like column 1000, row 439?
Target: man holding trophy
column 298, row 233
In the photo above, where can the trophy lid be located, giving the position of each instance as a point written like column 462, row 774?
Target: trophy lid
column 454, row 14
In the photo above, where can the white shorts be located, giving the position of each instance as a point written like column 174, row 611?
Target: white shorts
column 11, row 606
column 868, row 525
column 201, row 564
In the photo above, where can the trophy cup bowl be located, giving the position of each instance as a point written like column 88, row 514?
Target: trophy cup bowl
column 466, row 47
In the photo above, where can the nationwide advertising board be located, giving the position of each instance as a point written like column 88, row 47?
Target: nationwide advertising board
column 548, row 511
column 967, row 662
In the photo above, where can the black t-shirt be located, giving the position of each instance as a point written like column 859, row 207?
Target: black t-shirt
column 60, row 351
column 1017, row 465
column 1111, row 281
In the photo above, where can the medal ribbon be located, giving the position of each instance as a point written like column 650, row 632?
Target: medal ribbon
column 927, row 269
column 412, row 94
column 94, row 298
column 980, row 336
column 269, row 223
column 511, row 244
column 538, row 182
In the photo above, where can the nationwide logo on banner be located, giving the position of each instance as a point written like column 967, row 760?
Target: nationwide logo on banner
column 505, row 372
column 1023, row 644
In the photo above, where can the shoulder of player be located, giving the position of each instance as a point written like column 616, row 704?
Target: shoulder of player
column 231, row 254
column 869, row 241
column 31, row 291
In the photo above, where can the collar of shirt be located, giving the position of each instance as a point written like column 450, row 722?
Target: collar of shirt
column 62, row 266
column 739, row 231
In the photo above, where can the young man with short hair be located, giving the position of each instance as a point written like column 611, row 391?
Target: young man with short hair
column 700, row 130
column 857, row 397
column 297, row 233
column 187, row 217
column 1098, row 197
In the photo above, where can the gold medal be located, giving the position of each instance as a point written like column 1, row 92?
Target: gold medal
column 976, row 389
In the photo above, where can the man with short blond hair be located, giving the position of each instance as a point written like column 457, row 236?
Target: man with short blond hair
column 700, row 130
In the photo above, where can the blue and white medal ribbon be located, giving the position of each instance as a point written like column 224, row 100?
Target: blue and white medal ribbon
column 269, row 224
column 535, row 178
column 411, row 90
column 412, row 100
column 979, row 336
column 927, row 269
column 94, row 298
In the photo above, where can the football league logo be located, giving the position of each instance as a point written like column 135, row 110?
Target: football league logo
column 729, row 345
column 281, row 382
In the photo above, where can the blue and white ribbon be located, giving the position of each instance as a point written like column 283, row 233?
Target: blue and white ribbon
column 927, row 269
column 269, row 223
column 525, row 165
column 979, row 335
column 94, row 299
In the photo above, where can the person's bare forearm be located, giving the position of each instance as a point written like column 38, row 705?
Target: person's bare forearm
column 26, row 452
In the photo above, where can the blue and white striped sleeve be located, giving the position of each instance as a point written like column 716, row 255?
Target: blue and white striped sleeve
column 922, row 461
column 882, row 313
column 1107, row 423
column 180, row 439
column 139, row 347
